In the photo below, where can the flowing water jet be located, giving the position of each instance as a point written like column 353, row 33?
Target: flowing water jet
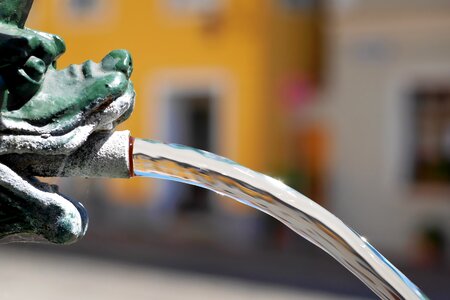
column 271, row 196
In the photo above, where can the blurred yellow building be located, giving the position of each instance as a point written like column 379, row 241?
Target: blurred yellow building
column 221, row 75
column 368, row 135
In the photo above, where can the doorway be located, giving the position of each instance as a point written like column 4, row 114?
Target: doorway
column 190, row 120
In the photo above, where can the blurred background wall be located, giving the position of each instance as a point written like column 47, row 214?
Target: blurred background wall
column 388, row 94
column 347, row 101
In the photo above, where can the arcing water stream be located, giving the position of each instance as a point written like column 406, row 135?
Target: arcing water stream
column 302, row 215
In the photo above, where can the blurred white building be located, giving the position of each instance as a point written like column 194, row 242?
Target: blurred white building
column 387, row 101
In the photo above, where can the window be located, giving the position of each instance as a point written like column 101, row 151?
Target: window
column 431, row 115
column 297, row 4
column 87, row 16
column 83, row 6
column 194, row 6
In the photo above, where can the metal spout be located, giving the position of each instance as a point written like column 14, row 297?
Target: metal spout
column 104, row 154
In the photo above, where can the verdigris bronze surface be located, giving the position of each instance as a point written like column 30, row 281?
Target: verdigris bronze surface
column 46, row 111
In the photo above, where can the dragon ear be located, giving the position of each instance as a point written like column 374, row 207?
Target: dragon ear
column 15, row 12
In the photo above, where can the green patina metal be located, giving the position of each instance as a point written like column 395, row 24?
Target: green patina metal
column 52, row 112
column 15, row 12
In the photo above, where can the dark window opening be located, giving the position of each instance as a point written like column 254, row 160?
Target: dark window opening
column 432, row 135
column 298, row 4
column 83, row 6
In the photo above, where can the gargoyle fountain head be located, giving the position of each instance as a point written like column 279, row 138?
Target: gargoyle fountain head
column 50, row 112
